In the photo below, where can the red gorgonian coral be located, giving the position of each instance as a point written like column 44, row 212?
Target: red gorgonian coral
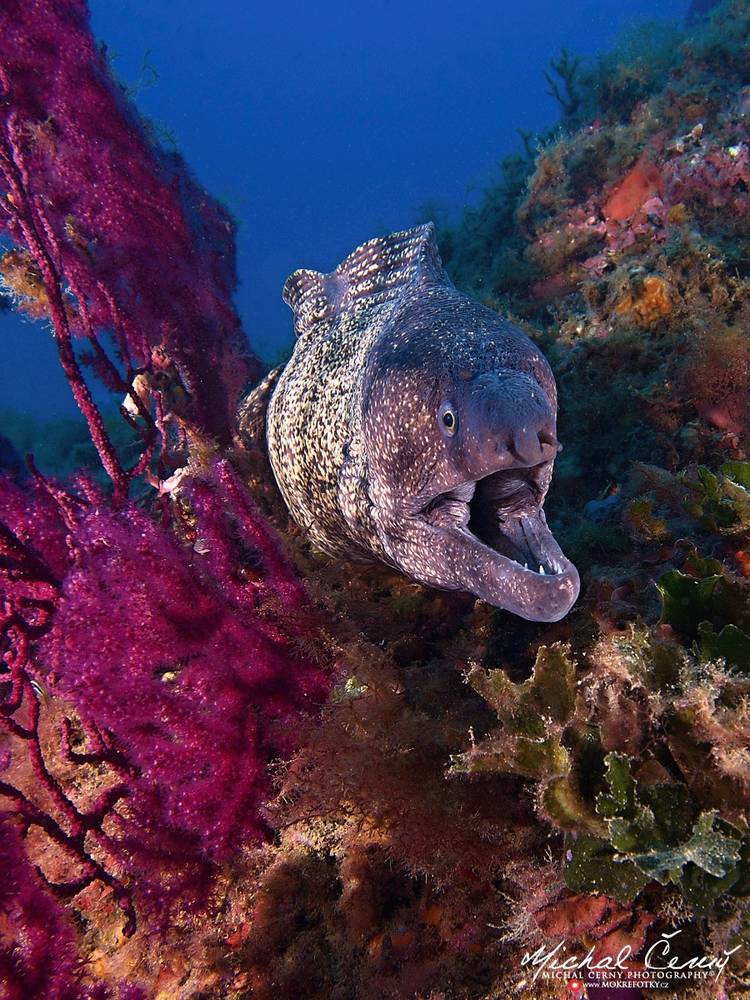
column 153, row 656
column 184, row 663
column 112, row 238
column 38, row 958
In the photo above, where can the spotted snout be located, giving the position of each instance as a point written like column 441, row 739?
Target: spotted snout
column 513, row 421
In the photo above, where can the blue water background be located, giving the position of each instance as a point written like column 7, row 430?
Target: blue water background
column 322, row 124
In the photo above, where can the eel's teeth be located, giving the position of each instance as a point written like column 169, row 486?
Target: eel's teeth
column 541, row 569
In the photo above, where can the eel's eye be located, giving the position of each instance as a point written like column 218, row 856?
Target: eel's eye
column 448, row 419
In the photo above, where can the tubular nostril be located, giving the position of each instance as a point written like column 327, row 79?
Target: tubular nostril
column 525, row 445
column 546, row 438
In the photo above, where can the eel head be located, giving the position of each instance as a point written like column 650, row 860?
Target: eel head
column 473, row 519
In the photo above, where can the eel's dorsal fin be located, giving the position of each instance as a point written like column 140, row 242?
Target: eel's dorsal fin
column 376, row 272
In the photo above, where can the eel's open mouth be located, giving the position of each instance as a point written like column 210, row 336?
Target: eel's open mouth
column 498, row 545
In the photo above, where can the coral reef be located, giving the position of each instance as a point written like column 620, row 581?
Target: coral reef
column 632, row 227
column 234, row 784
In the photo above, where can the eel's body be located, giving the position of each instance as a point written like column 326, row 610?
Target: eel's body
column 414, row 426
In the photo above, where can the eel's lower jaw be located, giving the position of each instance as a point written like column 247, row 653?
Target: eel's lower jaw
column 531, row 578
column 498, row 547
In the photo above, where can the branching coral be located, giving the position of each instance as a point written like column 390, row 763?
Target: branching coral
column 210, row 678
column 154, row 656
column 190, row 662
column 155, row 280
column 39, row 960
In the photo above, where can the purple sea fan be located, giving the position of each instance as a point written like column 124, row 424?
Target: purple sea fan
column 115, row 237
column 182, row 650
column 191, row 661
column 33, row 518
column 38, row 954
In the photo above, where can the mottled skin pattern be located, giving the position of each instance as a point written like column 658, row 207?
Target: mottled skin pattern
column 415, row 426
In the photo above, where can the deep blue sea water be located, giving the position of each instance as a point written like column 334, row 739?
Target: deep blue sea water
column 322, row 124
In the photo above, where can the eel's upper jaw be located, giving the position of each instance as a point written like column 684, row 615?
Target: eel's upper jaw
column 499, row 545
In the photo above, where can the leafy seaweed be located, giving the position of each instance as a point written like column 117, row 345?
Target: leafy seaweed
column 709, row 609
column 650, row 828
column 592, row 865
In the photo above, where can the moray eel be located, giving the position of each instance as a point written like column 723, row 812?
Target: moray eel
column 417, row 427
